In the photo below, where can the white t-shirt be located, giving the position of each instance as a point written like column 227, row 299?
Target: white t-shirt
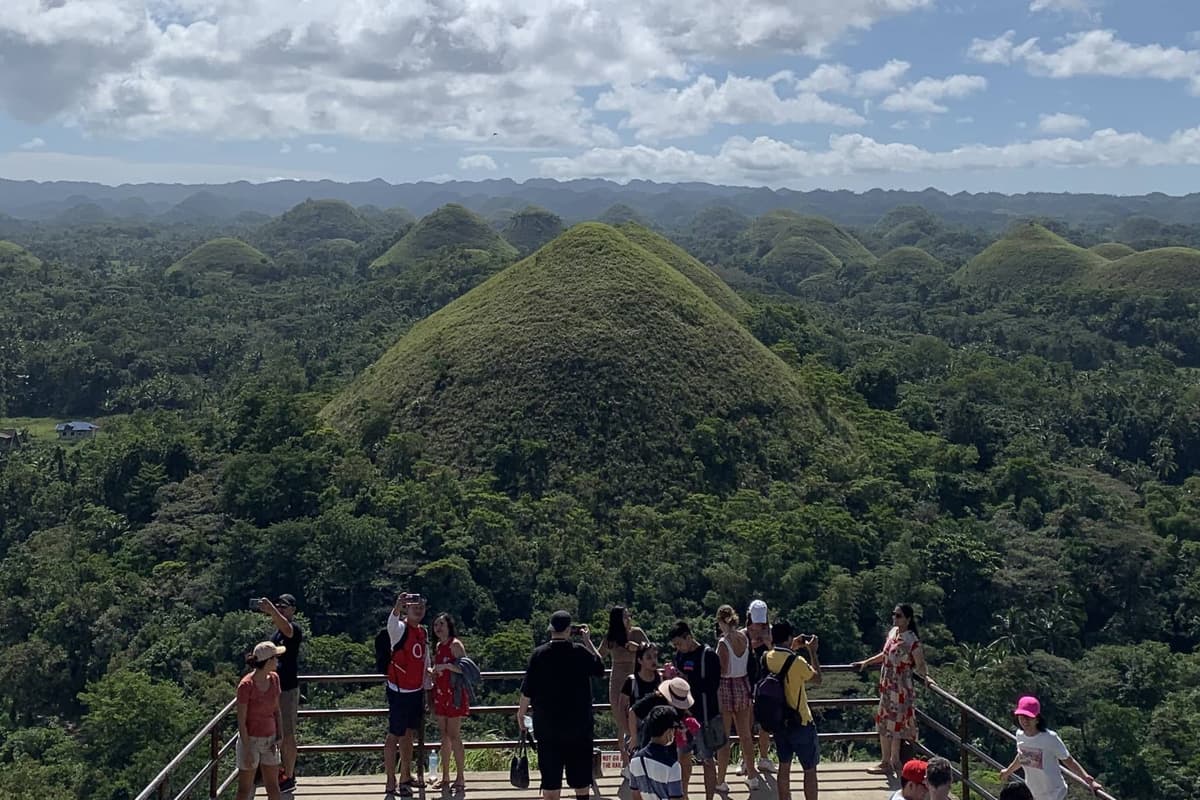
column 899, row 795
column 1039, row 756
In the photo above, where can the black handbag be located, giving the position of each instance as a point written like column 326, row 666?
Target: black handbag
column 518, row 768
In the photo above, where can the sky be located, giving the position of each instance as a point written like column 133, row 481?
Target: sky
column 974, row 95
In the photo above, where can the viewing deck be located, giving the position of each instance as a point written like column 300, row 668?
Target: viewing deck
column 839, row 781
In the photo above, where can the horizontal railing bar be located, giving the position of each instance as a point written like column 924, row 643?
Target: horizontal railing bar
column 174, row 763
column 958, row 774
column 498, row 675
column 954, row 738
column 978, row 717
column 226, row 783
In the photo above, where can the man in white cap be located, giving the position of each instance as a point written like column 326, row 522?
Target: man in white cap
column 758, row 631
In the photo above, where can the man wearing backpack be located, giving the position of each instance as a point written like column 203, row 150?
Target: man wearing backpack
column 700, row 666
column 408, row 679
column 796, row 735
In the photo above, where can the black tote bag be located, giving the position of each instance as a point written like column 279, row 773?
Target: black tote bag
column 518, row 768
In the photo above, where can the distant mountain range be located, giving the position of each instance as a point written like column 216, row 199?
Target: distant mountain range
column 666, row 204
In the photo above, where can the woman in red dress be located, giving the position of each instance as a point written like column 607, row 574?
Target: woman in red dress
column 449, row 700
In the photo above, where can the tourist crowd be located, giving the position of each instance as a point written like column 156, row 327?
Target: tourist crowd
column 750, row 687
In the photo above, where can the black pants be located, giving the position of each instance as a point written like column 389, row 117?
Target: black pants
column 572, row 754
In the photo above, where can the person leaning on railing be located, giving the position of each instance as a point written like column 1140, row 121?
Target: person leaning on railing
column 1039, row 753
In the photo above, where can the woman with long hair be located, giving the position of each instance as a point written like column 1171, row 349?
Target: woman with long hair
column 642, row 683
column 733, row 696
column 620, row 643
column 449, row 700
column 901, row 658
column 259, row 722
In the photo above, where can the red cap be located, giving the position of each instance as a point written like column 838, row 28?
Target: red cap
column 914, row 771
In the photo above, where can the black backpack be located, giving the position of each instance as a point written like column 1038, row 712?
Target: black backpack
column 384, row 649
column 771, row 709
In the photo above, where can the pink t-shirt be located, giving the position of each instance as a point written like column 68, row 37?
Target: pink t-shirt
column 260, row 704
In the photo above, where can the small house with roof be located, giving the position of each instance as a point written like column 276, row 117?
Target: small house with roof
column 75, row 430
column 12, row 438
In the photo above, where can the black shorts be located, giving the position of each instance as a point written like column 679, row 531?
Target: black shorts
column 556, row 754
column 404, row 711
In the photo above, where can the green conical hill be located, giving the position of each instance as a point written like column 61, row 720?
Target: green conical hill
column 452, row 230
column 796, row 258
column 226, row 257
column 314, row 220
column 15, row 259
column 1112, row 250
column 1162, row 269
column 598, row 361
column 772, row 227
column 1028, row 256
column 532, row 227
column 906, row 264
column 704, row 278
column 620, row 213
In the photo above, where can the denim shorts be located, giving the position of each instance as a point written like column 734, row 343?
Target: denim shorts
column 798, row 742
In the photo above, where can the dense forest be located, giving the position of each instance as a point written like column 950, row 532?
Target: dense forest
column 517, row 412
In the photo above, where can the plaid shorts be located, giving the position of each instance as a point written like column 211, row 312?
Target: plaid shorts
column 733, row 694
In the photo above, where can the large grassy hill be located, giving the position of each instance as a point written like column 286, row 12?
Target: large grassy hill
column 449, row 231
column 314, row 220
column 795, row 258
column 592, row 360
column 16, row 259
column 226, row 257
column 1029, row 256
column 1162, row 269
column 705, row 279
column 1112, row 250
column 909, row 265
column 771, row 228
column 530, row 228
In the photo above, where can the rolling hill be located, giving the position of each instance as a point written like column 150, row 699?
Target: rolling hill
column 674, row 255
column 314, row 220
column 530, row 228
column 908, row 264
column 598, row 360
column 224, row 258
column 15, row 259
column 769, row 229
column 1112, row 250
column 1029, row 256
column 794, row 259
column 1162, row 269
column 452, row 230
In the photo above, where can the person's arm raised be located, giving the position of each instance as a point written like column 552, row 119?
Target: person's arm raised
column 281, row 622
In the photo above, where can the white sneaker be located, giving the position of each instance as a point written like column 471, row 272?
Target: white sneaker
column 765, row 765
column 741, row 769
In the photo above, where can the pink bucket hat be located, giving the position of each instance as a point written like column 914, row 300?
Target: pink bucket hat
column 1028, row 706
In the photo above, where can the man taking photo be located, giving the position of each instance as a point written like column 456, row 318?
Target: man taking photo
column 558, row 687
column 407, row 681
column 288, row 634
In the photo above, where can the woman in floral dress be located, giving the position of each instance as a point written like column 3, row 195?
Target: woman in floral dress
column 901, row 657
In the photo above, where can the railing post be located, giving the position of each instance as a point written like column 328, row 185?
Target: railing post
column 162, row 790
column 214, row 757
column 964, row 756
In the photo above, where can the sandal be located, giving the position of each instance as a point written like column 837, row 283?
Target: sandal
column 435, row 782
column 880, row 769
column 459, row 787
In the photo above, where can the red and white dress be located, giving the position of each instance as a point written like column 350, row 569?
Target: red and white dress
column 897, row 715
column 446, row 701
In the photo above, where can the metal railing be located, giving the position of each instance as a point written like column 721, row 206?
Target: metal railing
column 219, row 748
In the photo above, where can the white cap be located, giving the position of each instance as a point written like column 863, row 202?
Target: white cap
column 758, row 612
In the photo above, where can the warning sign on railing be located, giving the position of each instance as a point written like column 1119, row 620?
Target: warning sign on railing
column 610, row 762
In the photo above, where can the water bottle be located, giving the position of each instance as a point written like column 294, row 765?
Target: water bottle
column 434, row 760
column 529, row 723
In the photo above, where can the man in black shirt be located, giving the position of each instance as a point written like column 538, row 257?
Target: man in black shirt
column 700, row 665
column 288, row 634
column 558, row 686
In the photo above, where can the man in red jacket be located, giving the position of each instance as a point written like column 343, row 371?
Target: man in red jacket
column 407, row 682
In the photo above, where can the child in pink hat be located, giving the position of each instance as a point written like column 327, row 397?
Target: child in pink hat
column 1040, row 752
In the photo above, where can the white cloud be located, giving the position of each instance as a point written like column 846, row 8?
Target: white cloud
column 1095, row 53
column 52, row 166
column 1076, row 6
column 36, row 143
column 656, row 113
column 764, row 160
column 884, row 79
column 924, row 96
column 252, row 69
column 828, row 78
column 840, row 79
column 477, row 162
column 321, row 149
column 1062, row 123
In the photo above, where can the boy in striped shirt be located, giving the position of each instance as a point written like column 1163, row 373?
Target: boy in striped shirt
column 654, row 770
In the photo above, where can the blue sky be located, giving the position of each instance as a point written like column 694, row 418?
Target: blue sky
column 1008, row 95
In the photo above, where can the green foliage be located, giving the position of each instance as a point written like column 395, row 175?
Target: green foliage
column 770, row 229
column 16, row 259
column 450, row 232
column 1112, row 250
column 795, row 258
column 704, row 278
column 315, row 220
column 530, row 228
